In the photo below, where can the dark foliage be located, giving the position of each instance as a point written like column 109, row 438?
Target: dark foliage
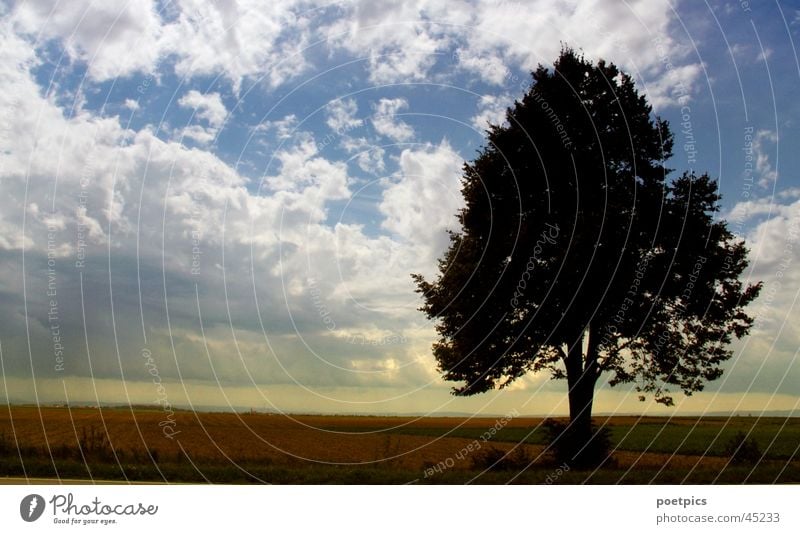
column 568, row 446
column 743, row 449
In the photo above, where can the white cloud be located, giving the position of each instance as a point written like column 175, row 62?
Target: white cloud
column 386, row 123
column 633, row 34
column 307, row 181
column 765, row 172
column 147, row 202
column 238, row 39
column 487, row 39
column 241, row 39
column 771, row 219
column 673, row 86
column 397, row 38
column 208, row 107
column 424, row 197
column 765, row 54
column 402, row 42
column 405, row 64
column 112, row 38
column 774, row 243
column 341, row 115
column 141, row 201
column 370, row 157
column 750, row 53
column 487, row 64
column 199, row 134
column 284, row 128
column 491, row 110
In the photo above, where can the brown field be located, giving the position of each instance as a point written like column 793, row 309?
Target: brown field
column 124, row 437
column 234, row 438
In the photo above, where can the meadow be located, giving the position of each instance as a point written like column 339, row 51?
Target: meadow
column 206, row 447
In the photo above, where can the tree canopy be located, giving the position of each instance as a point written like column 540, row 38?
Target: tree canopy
column 578, row 255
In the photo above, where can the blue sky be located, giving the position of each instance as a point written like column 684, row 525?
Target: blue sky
column 241, row 190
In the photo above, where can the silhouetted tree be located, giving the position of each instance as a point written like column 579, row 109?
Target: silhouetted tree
column 577, row 255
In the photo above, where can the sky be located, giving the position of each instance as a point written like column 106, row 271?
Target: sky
column 219, row 204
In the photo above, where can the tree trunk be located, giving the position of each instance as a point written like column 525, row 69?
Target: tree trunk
column 581, row 378
column 581, row 396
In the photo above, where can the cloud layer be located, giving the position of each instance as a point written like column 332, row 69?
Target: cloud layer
column 243, row 190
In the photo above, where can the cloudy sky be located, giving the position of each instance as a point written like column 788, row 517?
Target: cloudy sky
column 227, row 198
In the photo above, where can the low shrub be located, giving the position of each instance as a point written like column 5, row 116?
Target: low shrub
column 567, row 446
column 742, row 449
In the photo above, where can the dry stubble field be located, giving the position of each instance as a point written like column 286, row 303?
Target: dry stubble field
column 124, row 443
